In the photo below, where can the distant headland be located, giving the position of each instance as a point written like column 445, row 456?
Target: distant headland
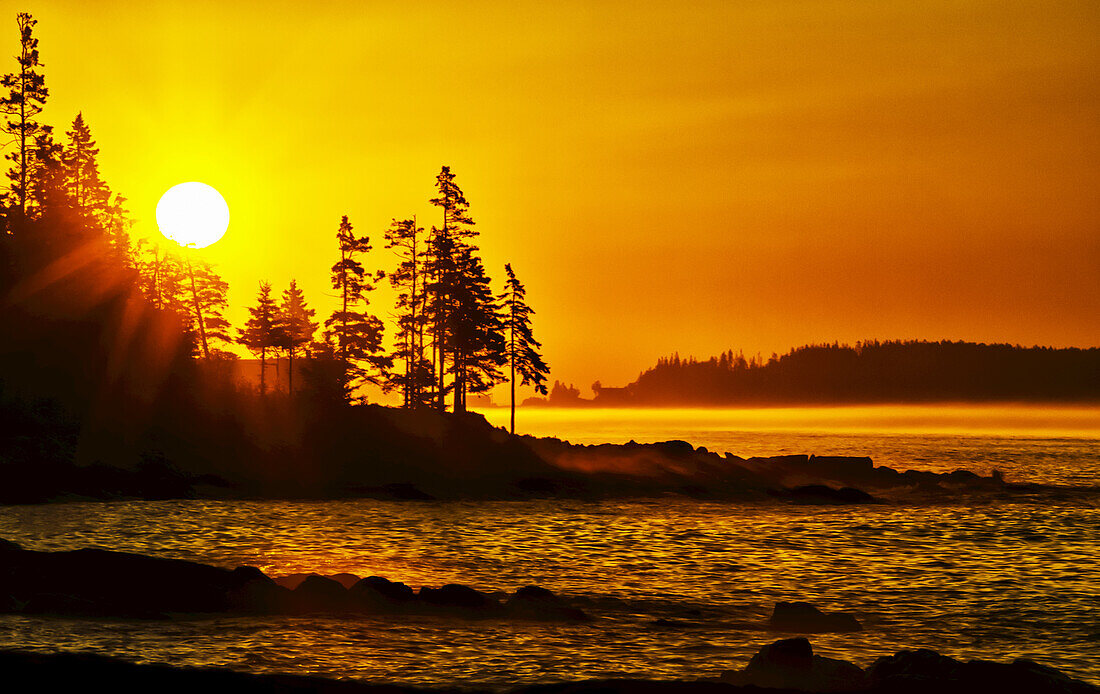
column 891, row 371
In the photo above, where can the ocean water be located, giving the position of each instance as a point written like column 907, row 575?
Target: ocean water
column 996, row 579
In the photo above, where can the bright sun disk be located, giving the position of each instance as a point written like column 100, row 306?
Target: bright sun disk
column 192, row 214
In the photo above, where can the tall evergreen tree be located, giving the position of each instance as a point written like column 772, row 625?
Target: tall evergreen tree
column 475, row 329
column 262, row 331
column 47, row 194
column 523, row 356
column 296, row 325
column 117, row 225
column 356, row 335
column 87, row 192
column 415, row 378
column 25, row 100
column 442, row 271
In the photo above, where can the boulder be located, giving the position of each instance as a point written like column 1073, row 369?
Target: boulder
column 842, row 467
column 9, row 546
column 113, row 582
column 320, row 594
column 454, row 598
column 674, row 448
column 291, row 581
column 252, row 591
column 535, row 602
column 924, row 670
column 377, row 594
column 346, row 580
column 791, row 664
column 804, row 618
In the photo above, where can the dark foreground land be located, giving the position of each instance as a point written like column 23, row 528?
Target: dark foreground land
column 782, row 667
column 381, row 452
column 99, row 584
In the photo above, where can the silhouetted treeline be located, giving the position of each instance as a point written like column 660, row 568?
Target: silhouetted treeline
column 115, row 378
column 874, row 371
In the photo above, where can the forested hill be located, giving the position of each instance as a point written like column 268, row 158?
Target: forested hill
column 892, row 371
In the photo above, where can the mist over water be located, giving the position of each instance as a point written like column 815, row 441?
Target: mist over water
column 1038, row 444
column 982, row 578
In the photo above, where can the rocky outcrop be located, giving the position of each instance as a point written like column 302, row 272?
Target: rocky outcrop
column 535, row 602
column 98, row 583
column 791, row 665
column 910, row 672
column 780, row 669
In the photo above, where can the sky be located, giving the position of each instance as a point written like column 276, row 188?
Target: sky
column 663, row 176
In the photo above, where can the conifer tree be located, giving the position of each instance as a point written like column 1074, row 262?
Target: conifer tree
column 117, row 225
column 442, row 272
column 25, row 100
column 475, row 328
column 296, row 326
column 262, row 331
column 355, row 334
column 46, row 180
column 87, row 192
column 209, row 301
column 523, row 356
column 415, row 379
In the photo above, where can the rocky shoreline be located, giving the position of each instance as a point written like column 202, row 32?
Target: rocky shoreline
column 100, row 584
column 787, row 666
column 425, row 455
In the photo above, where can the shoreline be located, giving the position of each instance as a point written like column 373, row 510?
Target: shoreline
column 783, row 667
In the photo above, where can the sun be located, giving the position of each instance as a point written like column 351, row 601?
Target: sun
column 193, row 214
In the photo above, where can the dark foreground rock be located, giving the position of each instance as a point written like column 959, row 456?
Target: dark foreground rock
column 791, row 664
column 97, row 583
column 802, row 617
column 782, row 667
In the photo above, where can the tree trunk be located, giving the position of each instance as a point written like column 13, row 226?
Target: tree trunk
column 512, row 361
column 23, row 136
column 198, row 312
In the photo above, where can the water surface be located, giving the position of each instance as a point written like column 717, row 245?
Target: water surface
column 991, row 579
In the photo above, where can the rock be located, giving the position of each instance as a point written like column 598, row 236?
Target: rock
column 97, row 581
column 453, row 598
column 963, row 477
column 785, row 655
column 291, row 581
column 320, row 594
column 346, row 580
column 675, row 448
column 252, row 591
column 535, row 602
column 924, row 670
column 377, row 594
column 842, row 467
column 9, row 546
column 805, row 618
column 791, row 663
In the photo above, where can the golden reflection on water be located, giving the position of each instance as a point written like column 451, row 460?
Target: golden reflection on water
column 619, row 425
column 987, row 578
column 994, row 581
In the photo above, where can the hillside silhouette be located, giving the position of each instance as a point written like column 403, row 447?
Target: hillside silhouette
column 869, row 372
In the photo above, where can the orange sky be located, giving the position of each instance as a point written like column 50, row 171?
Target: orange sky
column 664, row 176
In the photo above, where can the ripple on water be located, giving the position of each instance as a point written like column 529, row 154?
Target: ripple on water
column 992, row 581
